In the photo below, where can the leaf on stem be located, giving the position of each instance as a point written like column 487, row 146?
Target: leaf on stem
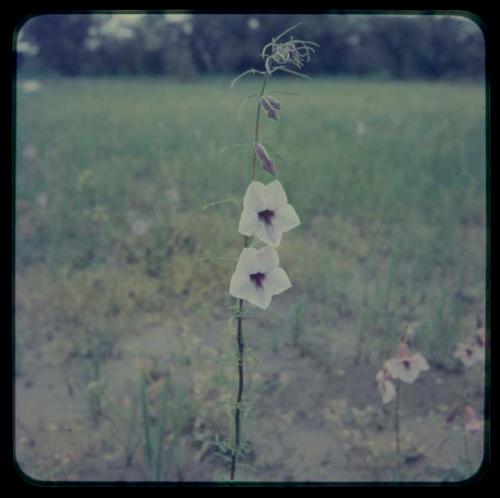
column 221, row 202
column 291, row 71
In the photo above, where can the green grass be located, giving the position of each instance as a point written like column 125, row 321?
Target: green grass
column 388, row 179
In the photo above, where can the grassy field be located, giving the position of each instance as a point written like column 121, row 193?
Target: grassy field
column 123, row 349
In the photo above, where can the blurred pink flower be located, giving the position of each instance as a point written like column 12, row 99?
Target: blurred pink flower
column 258, row 276
column 407, row 366
column 468, row 353
column 472, row 422
column 385, row 385
column 480, row 337
column 266, row 213
column 473, row 350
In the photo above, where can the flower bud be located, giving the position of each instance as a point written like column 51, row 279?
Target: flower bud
column 403, row 350
column 264, row 158
column 271, row 111
column 273, row 102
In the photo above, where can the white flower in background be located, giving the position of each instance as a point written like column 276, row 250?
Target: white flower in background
column 468, row 353
column 258, row 276
column 472, row 422
column 266, row 213
column 385, row 385
column 406, row 367
column 30, row 86
column 473, row 350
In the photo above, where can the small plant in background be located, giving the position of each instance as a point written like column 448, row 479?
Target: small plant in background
column 470, row 353
column 163, row 416
column 405, row 367
column 92, row 350
column 266, row 215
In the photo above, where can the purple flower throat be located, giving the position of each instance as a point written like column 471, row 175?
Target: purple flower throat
column 257, row 278
column 266, row 216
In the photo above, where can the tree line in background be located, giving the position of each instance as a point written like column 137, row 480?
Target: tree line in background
column 185, row 46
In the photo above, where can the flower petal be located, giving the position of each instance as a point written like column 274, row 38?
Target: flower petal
column 267, row 259
column 398, row 370
column 388, row 391
column 285, row 218
column 267, row 234
column 247, row 262
column 263, row 299
column 242, row 287
column 276, row 281
column 249, row 222
column 420, row 362
column 275, row 196
column 254, row 197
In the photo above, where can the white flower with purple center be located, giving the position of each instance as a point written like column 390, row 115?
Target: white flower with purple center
column 258, row 276
column 469, row 353
column 406, row 367
column 266, row 213
column 473, row 351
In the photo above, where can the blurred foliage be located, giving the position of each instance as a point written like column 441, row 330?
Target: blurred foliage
column 110, row 204
column 421, row 46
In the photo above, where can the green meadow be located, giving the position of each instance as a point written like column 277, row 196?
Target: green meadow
column 124, row 254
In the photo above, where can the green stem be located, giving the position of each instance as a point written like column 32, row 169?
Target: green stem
column 239, row 320
column 397, row 430
column 257, row 124
column 466, row 453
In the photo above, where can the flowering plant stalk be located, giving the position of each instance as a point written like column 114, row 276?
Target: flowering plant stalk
column 471, row 352
column 266, row 215
column 404, row 368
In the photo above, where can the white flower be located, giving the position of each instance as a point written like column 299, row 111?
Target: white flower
column 473, row 350
column 258, row 277
column 469, row 353
column 406, row 367
column 385, row 385
column 266, row 213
